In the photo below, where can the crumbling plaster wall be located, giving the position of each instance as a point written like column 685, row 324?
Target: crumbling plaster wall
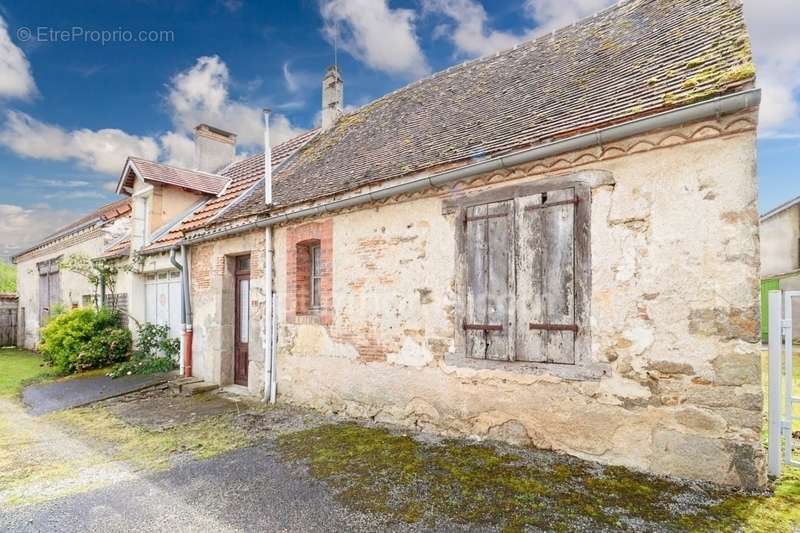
column 212, row 273
column 673, row 311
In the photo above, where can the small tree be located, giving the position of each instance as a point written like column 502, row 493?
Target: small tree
column 100, row 273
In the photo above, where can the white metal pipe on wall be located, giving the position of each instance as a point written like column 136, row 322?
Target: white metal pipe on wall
column 269, row 355
column 269, row 310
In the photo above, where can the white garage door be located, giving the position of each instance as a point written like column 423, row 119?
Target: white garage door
column 163, row 300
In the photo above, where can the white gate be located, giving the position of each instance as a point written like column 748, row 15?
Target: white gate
column 781, row 381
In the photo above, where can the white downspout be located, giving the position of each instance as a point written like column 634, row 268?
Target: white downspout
column 269, row 326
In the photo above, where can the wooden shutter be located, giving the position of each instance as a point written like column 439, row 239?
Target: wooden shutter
column 55, row 287
column 44, row 298
column 545, row 277
column 489, row 274
column 49, row 288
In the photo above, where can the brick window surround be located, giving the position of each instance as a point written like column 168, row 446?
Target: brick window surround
column 299, row 241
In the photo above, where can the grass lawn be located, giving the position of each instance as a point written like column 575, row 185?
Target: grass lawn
column 20, row 367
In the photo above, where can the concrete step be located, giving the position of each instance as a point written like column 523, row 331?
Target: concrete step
column 197, row 388
column 176, row 385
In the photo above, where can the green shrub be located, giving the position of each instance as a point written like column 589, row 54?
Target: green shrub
column 156, row 351
column 84, row 338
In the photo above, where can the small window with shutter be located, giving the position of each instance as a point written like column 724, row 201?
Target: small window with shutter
column 526, row 277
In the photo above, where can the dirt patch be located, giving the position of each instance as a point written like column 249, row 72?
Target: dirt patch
column 157, row 409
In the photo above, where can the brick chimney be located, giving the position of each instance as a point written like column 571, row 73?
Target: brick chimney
column 332, row 98
column 213, row 148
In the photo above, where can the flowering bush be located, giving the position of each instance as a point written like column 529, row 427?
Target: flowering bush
column 156, row 351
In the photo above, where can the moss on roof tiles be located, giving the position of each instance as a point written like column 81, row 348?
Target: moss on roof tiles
column 637, row 57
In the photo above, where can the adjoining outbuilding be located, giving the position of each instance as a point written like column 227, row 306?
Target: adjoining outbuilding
column 43, row 286
column 780, row 257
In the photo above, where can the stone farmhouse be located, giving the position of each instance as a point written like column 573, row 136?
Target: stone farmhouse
column 556, row 245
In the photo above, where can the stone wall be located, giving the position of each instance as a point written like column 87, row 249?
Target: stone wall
column 674, row 267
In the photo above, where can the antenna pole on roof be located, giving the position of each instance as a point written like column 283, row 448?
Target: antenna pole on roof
column 336, row 48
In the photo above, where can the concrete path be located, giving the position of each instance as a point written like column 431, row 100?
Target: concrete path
column 58, row 395
column 242, row 491
column 39, row 461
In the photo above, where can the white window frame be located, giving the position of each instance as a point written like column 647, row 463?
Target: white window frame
column 315, row 277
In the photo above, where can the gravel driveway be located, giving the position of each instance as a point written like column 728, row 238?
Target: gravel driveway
column 245, row 490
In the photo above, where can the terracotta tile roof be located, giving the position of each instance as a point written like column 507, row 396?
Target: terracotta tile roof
column 243, row 175
column 179, row 177
column 636, row 58
column 119, row 249
column 107, row 213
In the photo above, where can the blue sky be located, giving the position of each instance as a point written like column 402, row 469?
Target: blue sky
column 72, row 107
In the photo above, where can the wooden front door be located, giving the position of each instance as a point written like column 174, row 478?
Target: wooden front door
column 241, row 320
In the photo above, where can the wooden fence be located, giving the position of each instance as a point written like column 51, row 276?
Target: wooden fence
column 8, row 319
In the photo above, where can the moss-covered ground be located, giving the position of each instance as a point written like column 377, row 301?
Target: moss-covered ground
column 512, row 489
column 146, row 448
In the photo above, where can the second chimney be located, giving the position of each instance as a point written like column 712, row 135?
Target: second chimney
column 213, row 148
column 332, row 98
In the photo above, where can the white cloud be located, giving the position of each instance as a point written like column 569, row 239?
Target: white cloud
column 196, row 95
column 101, row 150
column 280, row 130
column 470, row 33
column 232, row 5
column 473, row 37
column 551, row 15
column 298, row 81
column 22, row 226
column 773, row 26
column 177, row 149
column 16, row 80
column 383, row 38
column 74, row 195
column 62, row 184
column 292, row 83
column 200, row 95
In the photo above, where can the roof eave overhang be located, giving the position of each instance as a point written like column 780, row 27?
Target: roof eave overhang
column 130, row 166
column 715, row 107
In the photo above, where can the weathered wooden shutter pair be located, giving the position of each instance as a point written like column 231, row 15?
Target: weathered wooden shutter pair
column 520, row 275
column 49, row 288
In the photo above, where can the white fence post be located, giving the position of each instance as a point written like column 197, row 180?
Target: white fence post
column 774, row 386
column 788, row 376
